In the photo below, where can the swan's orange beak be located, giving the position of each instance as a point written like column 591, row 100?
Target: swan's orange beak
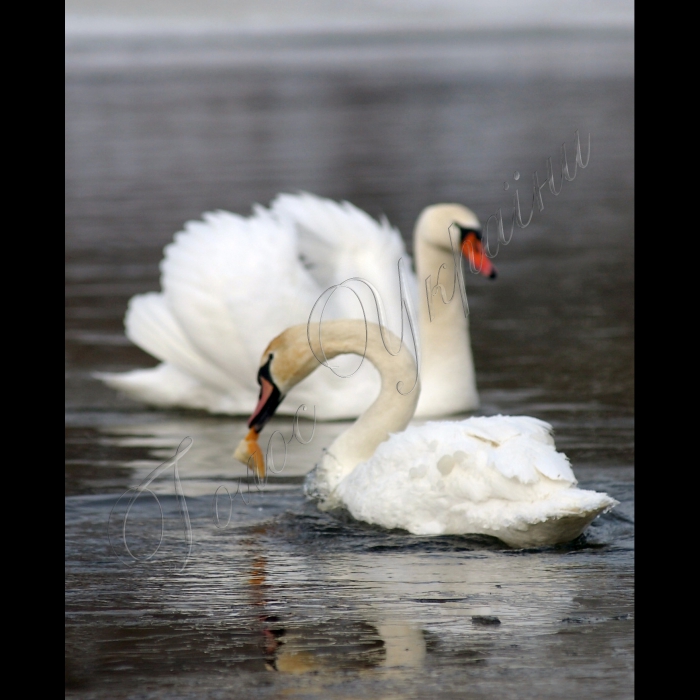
column 249, row 452
column 473, row 251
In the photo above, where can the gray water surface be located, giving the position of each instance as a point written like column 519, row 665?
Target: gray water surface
column 285, row 601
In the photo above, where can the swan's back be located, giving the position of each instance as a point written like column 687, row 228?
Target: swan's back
column 499, row 476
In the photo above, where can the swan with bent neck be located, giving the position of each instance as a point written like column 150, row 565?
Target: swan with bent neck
column 230, row 283
column 499, row 476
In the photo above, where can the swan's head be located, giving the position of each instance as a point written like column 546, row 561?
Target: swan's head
column 440, row 222
column 284, row 363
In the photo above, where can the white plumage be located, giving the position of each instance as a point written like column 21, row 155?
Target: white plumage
column 498, row 476
column 230, row 283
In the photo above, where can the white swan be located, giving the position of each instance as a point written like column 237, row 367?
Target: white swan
column 231, row 283
column 498, row 476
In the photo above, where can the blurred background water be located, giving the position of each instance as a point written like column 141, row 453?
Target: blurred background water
column 178, row 108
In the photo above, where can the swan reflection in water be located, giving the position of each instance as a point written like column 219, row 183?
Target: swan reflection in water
column 330, row 644
column 391, row 612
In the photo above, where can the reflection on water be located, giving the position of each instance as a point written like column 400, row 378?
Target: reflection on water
column 283, row 600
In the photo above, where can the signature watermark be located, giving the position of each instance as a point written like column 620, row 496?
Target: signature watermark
column 537, row 201
column 499, row 230
column 118, row 525
column 404, row 306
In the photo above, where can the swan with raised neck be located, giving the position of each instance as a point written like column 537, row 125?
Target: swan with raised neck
column 446, row 354
column 230, row 283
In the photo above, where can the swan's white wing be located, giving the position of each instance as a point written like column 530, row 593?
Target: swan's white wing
column 230, row 285
column 151, row 325
column 524, row 459
column 523, row 447
column 184, row 378
column 233, row 284
column 338, row 241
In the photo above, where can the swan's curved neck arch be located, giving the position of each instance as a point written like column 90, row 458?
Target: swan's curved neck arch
column 390, row 412
column 447, row 366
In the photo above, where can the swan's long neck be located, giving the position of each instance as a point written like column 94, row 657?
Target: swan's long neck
column 390, row 412
column 447, row 366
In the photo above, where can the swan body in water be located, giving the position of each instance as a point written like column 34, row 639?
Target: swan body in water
column 230, row 283
column 498, row 476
